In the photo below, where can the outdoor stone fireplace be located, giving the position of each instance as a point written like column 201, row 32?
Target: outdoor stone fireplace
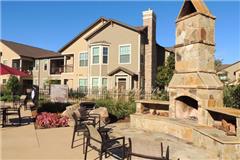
column 195, row 111
column 195, row 85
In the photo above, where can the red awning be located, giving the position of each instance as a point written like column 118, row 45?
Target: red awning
column 9, row 70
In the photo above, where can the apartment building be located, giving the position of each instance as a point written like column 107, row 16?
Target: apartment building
column 112, row 55
column 229, row 73
column 107, row 55
column 27, row 59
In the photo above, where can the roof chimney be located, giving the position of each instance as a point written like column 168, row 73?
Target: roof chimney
column 149, row 20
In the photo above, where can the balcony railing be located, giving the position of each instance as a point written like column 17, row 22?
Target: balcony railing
column 68, row 68
column 28, row 71
column 56, row 70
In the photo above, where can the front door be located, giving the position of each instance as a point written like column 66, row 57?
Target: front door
column 121, row 88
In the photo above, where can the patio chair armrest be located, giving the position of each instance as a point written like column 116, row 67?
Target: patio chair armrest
column 116, row 139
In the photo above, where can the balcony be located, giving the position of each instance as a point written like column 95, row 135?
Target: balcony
column 56, row 66
column 23, row 65
column 56, row 70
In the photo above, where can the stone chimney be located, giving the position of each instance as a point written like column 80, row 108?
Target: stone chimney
column 149, row 20
column 195, row 85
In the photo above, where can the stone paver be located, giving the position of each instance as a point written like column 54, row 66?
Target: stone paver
column 25, row 142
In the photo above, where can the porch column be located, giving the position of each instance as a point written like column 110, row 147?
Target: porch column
column 20, row 64
column 64, row 64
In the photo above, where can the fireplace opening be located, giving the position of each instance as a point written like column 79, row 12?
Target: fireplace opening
column 186, row 108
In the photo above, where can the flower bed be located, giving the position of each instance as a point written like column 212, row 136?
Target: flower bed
column 51, row 120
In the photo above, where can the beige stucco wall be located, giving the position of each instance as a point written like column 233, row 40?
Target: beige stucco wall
column 121, row 36
column 9, row 55
column 117, row 35
column 40, row 76
column 76, row 48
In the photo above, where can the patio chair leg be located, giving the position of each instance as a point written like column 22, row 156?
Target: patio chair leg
column 100, row 155
column 20, row 118
column 83, row 143
column 86, row 150
column 73, row 137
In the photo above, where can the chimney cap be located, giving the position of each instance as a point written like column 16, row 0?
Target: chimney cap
column 149, row 12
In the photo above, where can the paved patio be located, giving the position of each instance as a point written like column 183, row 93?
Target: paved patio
column 25, row 142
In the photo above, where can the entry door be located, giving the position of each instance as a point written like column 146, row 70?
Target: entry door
column 121, row 85
column 121, row 88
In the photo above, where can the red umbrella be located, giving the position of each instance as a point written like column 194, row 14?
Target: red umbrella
column 9, row 70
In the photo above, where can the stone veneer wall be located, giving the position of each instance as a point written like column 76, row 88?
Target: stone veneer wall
column 149, row 20
column 225, row 150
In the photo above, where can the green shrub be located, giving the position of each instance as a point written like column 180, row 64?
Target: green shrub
column 13, row 85
column 162, row 95
column 76, row 94
column 117, row 108
column 9, row 98
column 232, row 96
column 53, row 107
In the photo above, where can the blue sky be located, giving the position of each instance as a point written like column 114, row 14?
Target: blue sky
column 50, row 25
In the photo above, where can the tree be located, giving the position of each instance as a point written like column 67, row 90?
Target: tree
column 13, row 85
column 165, row 73
column 236, row 97
column 232, row 96
column 218, row 63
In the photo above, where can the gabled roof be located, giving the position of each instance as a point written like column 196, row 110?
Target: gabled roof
column 138, row 29
column 118, row 69
column 191, row 6
column 29, row 51
column 224, row 66
column 101, row 19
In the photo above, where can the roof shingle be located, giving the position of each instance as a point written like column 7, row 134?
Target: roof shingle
column 30, row 51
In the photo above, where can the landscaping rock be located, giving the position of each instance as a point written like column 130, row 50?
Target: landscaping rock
column 102, row 111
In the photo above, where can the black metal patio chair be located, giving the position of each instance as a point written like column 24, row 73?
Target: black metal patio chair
column 14, row 111
column 130, row 153
column 99, row 143
column 79, row 126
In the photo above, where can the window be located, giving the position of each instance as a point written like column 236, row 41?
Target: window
column 125, row 53
column 83, row 85
column 105, row 55
column 94, row 85
column 45, row 67
column 35, row 82
column 83, row 59
column 95, row 55
column 4, row 81
column 45, row 64
column 104, row 83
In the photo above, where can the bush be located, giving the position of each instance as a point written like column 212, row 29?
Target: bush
column 76, row 94
column 162, row 95
column 9, row 98
column 232, row 96
column 119, row 109
column 51, row 120
column 13, row 85
column 53, row 107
